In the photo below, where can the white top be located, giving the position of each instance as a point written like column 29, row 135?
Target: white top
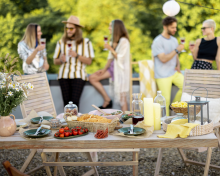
column 74, row 68
column 36, row 65
column 121, row 69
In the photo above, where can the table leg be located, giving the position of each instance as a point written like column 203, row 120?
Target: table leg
column 135, row 168
column 47, row 168
column 208, row 159
column 61, row 170
column 56, row 159
column 159, row 159
column 91, row 160
column 28, row 160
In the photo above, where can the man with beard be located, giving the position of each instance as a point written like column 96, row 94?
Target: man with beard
column 73, row 53
column 165, row 50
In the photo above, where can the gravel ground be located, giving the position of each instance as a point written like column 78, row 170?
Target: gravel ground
column 171, row 163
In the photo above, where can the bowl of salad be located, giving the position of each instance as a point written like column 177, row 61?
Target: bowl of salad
column 110, row 113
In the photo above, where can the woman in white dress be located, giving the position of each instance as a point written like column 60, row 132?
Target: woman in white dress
column 31, row 51
column 117, row 67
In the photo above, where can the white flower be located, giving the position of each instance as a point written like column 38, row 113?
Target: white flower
column 17, row 84
column 24, row 84
column 10, row 85
column 6, row 96
column 17, row 89
column 2, row 86
column 10, row 93
column 29, row 85
column 32, row 87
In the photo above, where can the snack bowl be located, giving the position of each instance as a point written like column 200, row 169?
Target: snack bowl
column 108, row 111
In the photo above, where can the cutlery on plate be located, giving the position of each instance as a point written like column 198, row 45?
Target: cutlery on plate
column 41, row 119
column 42, row 131
column 37, row 131
column 132, row 129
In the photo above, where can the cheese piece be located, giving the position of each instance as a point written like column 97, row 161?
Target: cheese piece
column 69, row 118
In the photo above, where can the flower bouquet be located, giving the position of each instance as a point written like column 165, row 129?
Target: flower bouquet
column 12, row 93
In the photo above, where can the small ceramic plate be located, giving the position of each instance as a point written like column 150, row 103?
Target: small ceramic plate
column 37, row 119
column 30, row 133
column 70, row 137
column 137, row 131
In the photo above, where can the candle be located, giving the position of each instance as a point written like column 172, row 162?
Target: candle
column 157, row 116
column 148, row 111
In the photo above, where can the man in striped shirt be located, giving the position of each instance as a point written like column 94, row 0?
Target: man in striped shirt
column 73, row 53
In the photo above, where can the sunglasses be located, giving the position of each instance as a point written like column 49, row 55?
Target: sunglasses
column 71, row 29
column 203, row 28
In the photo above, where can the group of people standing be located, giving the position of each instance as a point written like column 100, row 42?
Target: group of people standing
column 73, row 60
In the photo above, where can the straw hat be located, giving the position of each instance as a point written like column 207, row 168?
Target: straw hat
column 73, row 20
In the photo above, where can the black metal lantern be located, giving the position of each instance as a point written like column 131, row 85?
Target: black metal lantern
column 200, row 103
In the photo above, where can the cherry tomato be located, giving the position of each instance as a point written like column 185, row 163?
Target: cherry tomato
column 75, row 133
column 66, row 128
column 71, row 133
column 86, row 130
column 61, row 130
column 62, row 135
column 80, row 132
column 57, row 134
column 66, row 134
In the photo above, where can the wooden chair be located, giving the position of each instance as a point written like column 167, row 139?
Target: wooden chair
column 40, row 99
column 210, row 79
column 12, row 171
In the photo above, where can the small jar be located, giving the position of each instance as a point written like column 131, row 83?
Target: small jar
column 55, row 123
column 100, row 130
column 71, row 109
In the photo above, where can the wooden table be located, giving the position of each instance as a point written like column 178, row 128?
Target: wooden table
column 112, row 142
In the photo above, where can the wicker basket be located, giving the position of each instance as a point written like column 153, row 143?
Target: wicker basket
column 89, row 125
column 196, row 131
column 185, row 110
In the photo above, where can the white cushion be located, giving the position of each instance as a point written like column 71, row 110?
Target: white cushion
column 214, row 106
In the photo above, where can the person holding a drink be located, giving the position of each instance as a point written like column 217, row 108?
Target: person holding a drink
column 32, row 50
column 206, row 50
column 165, row 50
column 73, row 53
column 117, row 67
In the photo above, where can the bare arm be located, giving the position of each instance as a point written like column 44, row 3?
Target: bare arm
column 196, row 49
column 167, row 57
column 85, row 60
column 218, row 54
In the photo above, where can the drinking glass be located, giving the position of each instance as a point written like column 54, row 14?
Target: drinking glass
column 182, row 39
column 43, row 41
column 105, row 40
column 69, row 44
column 137, row 108
column 191, row 44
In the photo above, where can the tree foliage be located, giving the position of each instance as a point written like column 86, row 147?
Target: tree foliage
column 142, row 18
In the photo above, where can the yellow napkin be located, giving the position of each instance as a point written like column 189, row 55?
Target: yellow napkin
column 178, row 128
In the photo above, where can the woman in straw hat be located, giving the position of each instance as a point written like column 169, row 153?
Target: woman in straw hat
column 207, row 49
column 31, row 51
column 117, row 67
column 73, row 53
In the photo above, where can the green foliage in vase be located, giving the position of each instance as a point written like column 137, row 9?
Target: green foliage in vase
column 12, row 93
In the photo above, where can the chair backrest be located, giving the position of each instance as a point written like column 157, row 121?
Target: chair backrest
column 12, row 171
column 210, row 79
column 40, row 98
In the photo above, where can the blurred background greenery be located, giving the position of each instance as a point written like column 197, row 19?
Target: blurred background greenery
column 142, row 18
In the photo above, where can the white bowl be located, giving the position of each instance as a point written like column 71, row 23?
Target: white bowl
column 108, row 111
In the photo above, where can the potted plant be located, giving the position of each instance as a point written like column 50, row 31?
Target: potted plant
column 12, row 93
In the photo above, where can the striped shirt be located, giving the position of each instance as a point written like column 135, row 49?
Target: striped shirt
column 74, row 68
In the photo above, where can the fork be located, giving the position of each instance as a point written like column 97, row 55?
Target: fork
column 41, row 119
column 42, row 131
